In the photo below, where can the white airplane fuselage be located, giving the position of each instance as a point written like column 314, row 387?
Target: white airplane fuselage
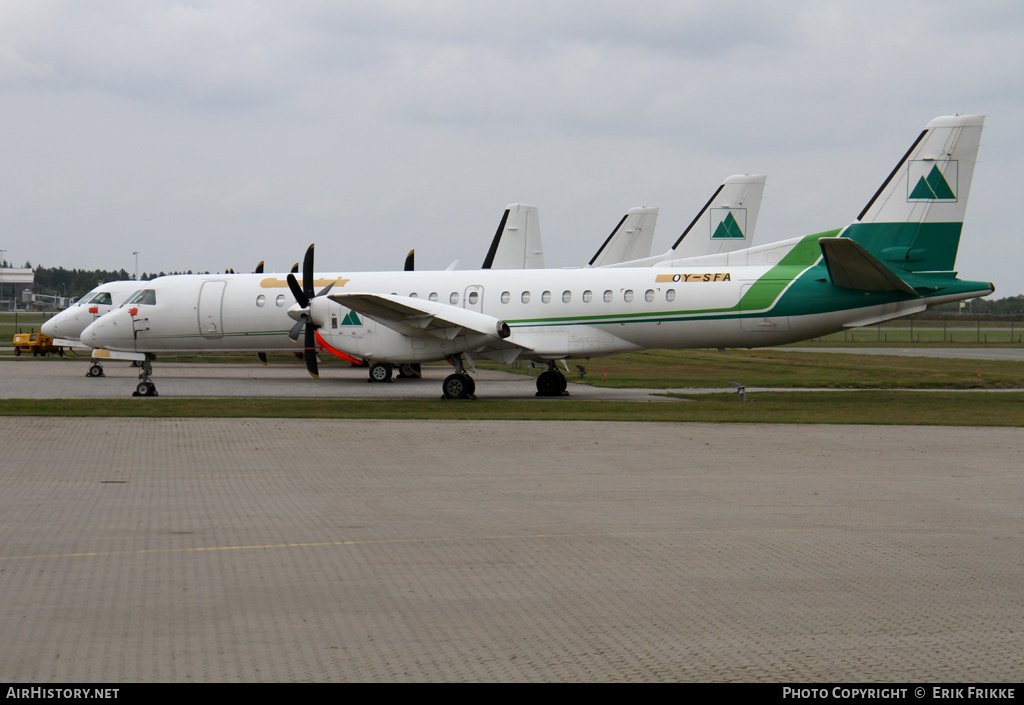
column 750, row 298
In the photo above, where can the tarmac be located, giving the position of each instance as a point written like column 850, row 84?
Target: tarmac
column 305, row 550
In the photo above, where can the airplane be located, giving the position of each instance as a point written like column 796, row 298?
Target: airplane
column 67, row 326
column 517, row 245
column 895, row 259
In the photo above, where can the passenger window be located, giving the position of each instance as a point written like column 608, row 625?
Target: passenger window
column 505, row 297
column 414, row 295
column 587, row 296
column 280, row 300
column 608, row 296
column 526, row 297
column 670, row 295
column 433, row 296
column 473, row 298
column 628, row 296
column 566, row 296
column 649, row 295
column 546, row 297
column 454, row 298
column 261, row 300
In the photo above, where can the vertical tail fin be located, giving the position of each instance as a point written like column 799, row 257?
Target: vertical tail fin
column 631, row 239
column 727, row 221
column 914, row 220
column 517, row 243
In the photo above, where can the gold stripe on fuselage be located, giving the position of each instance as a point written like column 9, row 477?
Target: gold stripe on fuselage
column 274, row 283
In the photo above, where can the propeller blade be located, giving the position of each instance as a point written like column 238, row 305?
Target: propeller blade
column 300, row 296
column 410, row 261
column 263, row 357
column 323, row 292
column 309, row 354
column 307, row 274
column 295, row 268
column 259, row 268
column 293, row 334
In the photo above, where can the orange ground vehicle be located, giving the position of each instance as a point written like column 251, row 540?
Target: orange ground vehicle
column 36, row 343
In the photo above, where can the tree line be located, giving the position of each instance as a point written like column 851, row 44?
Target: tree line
column 76, row 282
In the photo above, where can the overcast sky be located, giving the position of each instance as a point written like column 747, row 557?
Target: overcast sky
column 207, row 135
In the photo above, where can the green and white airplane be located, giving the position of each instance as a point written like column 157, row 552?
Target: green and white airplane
column 897, row 258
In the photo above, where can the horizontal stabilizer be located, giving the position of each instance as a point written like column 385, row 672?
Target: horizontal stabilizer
column 852, row 267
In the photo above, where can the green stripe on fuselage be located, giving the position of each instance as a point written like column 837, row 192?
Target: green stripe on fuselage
column 759, row 298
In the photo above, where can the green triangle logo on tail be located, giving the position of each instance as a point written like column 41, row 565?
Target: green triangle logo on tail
column 728, row 229
column 351, row 319
column 928, row 183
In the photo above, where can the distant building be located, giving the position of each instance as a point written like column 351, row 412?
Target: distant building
column 13, row 280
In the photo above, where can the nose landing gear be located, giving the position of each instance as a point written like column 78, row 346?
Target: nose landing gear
column 145, row 387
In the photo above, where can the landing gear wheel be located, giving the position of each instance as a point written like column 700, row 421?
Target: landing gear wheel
column 409, row 370
column 551, row 384
column 145, row 389
column 458, row 386
column 95, row 371
column 380, row 372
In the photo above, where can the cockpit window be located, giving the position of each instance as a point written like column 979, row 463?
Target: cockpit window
column 101, row 297
column 146, row 297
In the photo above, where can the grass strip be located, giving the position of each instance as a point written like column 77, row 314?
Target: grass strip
column 840, row 407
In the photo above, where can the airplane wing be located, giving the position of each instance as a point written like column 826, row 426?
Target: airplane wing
column 418, row 317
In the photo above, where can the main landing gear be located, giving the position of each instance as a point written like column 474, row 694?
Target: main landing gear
column 551, row 383
column 145, row 387
column 459, row 385
column 95, row 370
column 383, row 371
column 380, row 372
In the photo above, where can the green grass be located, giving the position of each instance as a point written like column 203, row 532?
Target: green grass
column 869, row 407
column 670, row 369
column 26, row 323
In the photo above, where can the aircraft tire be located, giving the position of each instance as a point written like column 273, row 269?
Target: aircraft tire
column 145, row 389
column 550, row 384
column 95, row 371
column 408, row 370
column 458, row 386
column 380, row 372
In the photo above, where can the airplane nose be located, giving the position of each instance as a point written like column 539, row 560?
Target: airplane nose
column 88, row 336
column 51, row 327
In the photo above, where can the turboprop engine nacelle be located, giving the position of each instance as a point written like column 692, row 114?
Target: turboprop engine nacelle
column 403, row 329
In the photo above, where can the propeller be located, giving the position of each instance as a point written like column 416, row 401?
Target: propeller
column 410, row 260
column 304, row 295
column 261, row 355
